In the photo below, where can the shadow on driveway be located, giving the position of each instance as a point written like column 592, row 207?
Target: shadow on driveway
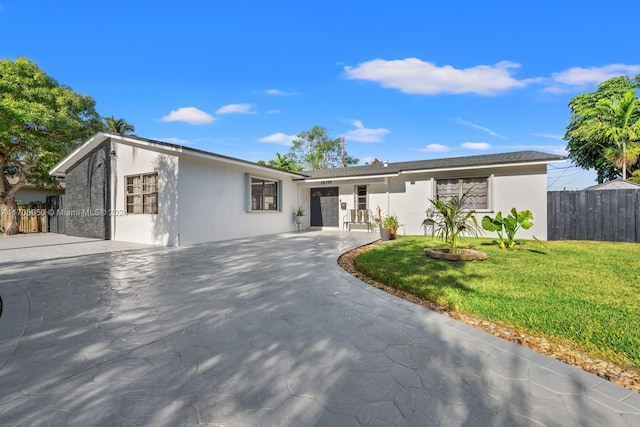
column 263, row 331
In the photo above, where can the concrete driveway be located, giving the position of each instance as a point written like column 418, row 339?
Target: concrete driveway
column 262, row 331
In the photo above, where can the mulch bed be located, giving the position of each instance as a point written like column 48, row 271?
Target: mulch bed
column 615, row 373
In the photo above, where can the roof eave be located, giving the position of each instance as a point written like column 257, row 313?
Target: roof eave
column 352, row 177
column 487, row 166
column 61, row 168
column 431, row 170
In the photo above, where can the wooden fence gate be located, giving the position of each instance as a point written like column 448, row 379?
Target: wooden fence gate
column 32, row 218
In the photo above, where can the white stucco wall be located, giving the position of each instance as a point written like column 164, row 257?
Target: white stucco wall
column 523, row 188
column 158, row 229
column 407, row 196
column 31, row 195
column 203, row 199
column 213, row 202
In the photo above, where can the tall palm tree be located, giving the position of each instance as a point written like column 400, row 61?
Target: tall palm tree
column 120, row 126
column 616, row 123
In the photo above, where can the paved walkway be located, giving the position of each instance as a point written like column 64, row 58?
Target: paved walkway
column 265, row 331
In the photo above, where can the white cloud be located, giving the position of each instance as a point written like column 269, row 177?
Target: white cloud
column 273, row 112
column 412, row 75
column 362, row 134
column 279, row 138
column 476, row 126
column 277, row 92
column 548, row 135
column 235, row 109
column 562, row 151
column 578, row 77
column 189, row 115
column 367, row 160
column 435, row 148
column 476, row 145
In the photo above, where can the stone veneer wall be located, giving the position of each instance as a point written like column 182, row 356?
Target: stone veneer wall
column 87, row 195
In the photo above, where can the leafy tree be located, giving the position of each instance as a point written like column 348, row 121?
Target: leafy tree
column 41, row 120
column 120, row 126
column 284, row 163
column 615, row 122
column 591, row 149
column 314, row 149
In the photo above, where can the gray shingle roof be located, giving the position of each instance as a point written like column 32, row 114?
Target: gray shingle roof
column 434, row 164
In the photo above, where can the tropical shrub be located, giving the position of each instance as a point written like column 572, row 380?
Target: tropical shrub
column 506, row 227
column 452, row 219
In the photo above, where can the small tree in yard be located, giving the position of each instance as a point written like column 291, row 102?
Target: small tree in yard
column 40, row 122
column 508, row 225
column 452, row 219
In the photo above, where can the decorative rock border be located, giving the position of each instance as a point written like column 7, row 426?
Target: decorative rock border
column 462, row 255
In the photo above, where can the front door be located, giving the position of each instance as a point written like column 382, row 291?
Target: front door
column 324, row 207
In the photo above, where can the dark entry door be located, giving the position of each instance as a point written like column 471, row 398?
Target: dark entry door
column 324, row 207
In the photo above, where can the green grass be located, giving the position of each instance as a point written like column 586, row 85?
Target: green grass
column 584, row 293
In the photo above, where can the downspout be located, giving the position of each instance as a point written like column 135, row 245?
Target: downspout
column 113, row 172
column 387, row 181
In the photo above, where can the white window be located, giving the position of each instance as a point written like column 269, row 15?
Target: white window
column 478, row 198
column 264, row 194
column 142, row 193
column 361, row 197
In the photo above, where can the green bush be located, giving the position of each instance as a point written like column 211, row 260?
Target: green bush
column 508, row 226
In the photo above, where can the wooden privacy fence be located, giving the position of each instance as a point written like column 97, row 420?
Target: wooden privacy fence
column 605, row 215
column 32, row 218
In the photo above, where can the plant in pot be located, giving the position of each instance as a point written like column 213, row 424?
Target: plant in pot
column 389, row 227
column 452, row 219
column 299, row 215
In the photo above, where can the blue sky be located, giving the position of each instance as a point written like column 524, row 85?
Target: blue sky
column 401, row 81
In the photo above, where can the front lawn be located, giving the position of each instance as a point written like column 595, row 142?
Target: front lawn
column 583, row 293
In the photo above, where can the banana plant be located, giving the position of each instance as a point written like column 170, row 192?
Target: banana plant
column 507, row 226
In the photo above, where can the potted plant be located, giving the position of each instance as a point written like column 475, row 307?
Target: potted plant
column 389, row 227
column 299, row 213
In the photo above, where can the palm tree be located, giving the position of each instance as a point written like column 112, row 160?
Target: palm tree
column 120, row 126
column 616, row 123
column 284, row 163
column 452, row 219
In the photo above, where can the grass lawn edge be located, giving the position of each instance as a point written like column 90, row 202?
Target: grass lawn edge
column 606, row 369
